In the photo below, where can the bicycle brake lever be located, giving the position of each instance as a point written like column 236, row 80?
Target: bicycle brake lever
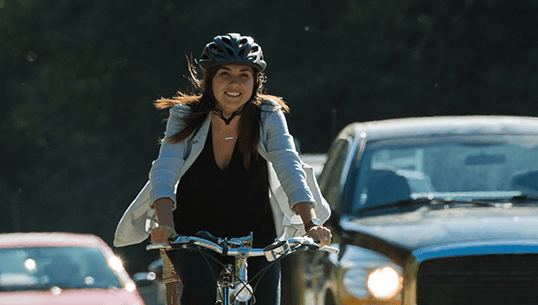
column 173, row 237
column 314, row 246
column 158, row 246
column 330, row 249
column 206, row 235
column 180, row 239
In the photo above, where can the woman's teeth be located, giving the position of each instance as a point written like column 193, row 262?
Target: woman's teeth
column 234, row 94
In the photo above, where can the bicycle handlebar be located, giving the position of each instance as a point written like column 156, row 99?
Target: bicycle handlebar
column 237, row 246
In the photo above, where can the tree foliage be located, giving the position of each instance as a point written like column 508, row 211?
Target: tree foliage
column 77, row 81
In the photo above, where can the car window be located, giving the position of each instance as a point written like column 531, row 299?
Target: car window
column 331, row 175
column 448, row 167
column 64, row 267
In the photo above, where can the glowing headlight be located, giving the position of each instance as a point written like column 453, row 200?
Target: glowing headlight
column 384, row 283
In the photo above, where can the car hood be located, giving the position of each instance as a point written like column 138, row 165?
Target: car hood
column 79, row 297
column 429, row 227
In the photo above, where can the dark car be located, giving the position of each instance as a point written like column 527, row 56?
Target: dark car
column 428, row 211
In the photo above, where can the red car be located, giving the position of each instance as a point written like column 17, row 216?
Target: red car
column 62, row 268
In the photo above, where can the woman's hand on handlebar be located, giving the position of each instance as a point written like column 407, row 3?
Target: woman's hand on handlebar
column 162, row 235
column 320, row 233
column 307, row 212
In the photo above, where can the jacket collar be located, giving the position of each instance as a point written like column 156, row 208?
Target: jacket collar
column 201, row 135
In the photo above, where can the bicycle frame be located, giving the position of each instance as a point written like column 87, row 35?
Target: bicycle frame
column 232, row 284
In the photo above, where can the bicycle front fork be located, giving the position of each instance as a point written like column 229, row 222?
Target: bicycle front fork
column 232, row 284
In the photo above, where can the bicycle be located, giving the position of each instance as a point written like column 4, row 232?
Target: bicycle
column 232, row 284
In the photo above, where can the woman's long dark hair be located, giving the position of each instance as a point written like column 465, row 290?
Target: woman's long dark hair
column 202, row 104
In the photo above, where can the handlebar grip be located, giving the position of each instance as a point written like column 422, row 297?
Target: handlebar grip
column 317, row 241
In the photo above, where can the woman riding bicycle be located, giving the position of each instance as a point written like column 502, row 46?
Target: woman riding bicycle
column 228, row 165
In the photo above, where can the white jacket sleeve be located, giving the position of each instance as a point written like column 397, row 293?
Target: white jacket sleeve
column 165, row 170
column 285, row 159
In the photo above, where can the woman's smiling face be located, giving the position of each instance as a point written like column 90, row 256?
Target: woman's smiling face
column 232, row 87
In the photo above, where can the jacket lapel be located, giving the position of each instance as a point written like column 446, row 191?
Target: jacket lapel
column 196, row 145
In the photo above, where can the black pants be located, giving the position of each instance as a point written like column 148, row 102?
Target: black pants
column 198, row 275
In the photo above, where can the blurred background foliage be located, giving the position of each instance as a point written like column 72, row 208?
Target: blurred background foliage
column 78, row 78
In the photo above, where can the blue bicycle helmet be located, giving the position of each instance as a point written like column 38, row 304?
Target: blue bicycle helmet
column 232, row 48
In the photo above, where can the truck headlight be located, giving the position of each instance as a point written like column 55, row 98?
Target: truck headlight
column 384, row 283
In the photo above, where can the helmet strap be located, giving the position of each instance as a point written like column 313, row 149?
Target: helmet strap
column 227, row 121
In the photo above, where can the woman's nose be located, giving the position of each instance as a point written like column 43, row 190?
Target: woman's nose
column 234, row 81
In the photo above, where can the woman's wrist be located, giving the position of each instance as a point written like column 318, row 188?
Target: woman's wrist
column 314, row 222
column 164, row 211
column 165, row 226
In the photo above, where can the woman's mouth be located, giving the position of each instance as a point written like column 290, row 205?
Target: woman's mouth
column 233, row 94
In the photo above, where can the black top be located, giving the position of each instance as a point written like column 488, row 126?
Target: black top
column 227, row 203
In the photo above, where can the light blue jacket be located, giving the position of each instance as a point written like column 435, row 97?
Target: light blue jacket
column 291, row 181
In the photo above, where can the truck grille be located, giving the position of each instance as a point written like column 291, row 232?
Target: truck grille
column 488, row 279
